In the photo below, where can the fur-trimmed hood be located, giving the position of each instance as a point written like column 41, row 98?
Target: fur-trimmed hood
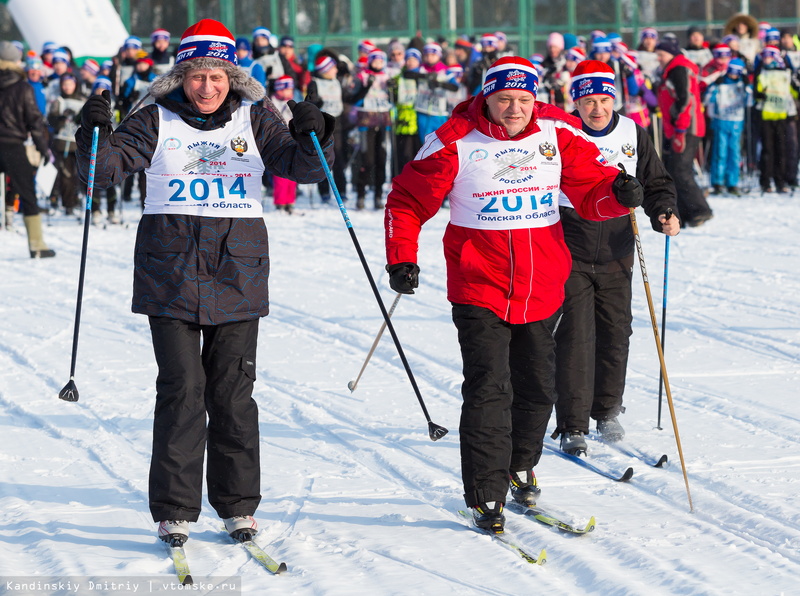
column 240, row 81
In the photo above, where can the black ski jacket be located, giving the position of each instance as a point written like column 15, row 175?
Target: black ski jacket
column 19, row 113
column 609, row 245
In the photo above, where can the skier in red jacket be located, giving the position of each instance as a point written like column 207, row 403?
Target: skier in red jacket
column 501, row 160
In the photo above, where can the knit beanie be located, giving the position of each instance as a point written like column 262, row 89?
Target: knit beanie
column 9, row 52
column 736, row 66
column 159, row 34
column 284, row 82
column 323, row 64
column 592, row 77
column 669, row 45
column 511, row 72
column 207, row 45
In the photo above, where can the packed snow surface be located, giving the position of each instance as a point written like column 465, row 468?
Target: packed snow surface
column 356, row 498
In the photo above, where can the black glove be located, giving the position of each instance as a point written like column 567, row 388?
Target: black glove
column 628, row 190
column 312, row 94
column 403, row 277
column 433, row 81
column 96, row 112
column 306, row 117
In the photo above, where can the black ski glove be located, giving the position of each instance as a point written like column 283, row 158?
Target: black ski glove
column 306, row 117
column 312, row 94
column 96, row 112
column 403, row 277
column 628, row 190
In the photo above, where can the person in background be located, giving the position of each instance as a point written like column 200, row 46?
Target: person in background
column 19, row 117
column 592, row 339
column 646, row 52
column 326, row 88
column 201, row 264
column 264, row 53
column 726, row 101
column 162, row 58
column 246, row 62
column 63, row 119
column 34, row 69
column 506, row 264
column 684, row 129
column 284, row 189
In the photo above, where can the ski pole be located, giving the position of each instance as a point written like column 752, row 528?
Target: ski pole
column 353, row 384
column 435, row 431
column 70, row 391
column 654, row 322
column 663, row 318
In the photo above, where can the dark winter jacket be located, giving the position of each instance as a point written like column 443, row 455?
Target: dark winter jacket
column 19, row 112
column 608, row 245
column 206, row 270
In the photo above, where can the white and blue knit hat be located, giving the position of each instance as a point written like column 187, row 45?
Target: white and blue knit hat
column 207, row 39
column 592, row 77
column 511, row 72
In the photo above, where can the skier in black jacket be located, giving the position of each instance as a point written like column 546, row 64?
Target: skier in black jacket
column 592, row 338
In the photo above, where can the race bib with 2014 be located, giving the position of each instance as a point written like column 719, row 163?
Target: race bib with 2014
column 214, row 173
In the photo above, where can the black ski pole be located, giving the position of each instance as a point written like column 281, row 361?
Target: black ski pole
column 435, row 431
column 70, row 391
column 663, row 320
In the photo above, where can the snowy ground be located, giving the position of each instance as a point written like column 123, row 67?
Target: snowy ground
column 356, row 498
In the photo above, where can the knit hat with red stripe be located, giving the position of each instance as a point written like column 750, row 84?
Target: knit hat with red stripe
column 323, row 64
column 592, row 77
column 207, row 39
column 511, row 72
column 208, row 45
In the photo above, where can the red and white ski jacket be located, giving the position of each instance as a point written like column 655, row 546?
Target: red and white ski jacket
column 504, row 246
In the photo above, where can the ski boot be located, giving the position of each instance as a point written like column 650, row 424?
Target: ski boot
column 524, row 488
column 489, row 517
column 174, row 532
column 573, row 442
column 610, row 430
column 241, row 527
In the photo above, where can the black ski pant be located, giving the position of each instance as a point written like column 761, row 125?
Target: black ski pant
column 592, row 344
column 773, row 152
column 508, row 392
column 14, row 163
column 204, row 372
column 691, row 201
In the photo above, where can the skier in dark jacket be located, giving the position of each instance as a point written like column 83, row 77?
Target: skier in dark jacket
column 201, row 264
column 592, row 338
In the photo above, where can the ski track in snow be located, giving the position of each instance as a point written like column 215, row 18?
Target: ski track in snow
column 356, row 498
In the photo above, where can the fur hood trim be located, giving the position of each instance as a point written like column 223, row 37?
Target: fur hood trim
column 241, row 82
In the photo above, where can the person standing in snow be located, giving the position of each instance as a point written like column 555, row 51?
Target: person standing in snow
column 19, row 117
column 592, row 340
column 500, row 160
column 201, row 264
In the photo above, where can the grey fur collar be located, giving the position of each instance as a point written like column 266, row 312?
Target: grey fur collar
column 241, row 82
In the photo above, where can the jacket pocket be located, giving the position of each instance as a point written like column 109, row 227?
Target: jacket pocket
column 242, row 277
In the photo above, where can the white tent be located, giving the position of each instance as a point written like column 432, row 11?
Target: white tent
column 87, row 27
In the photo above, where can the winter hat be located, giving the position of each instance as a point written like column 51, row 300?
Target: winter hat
column 619, row 46
column 91, row 66
column 159, row 34
column 592, row 77
column 60, row 56
column 771, row 52
column 396, row 46
column 286, row 42
column 323, row 64
column 576, row 54
column 146, row 60
column 432, row 48
column 648, row 33
column 736, row 66
column 33, row 63
column 284, row 82
column 107, row 65
column 261, row 32
column 730, row 38
column 501, row 36
column 463, row 43
column 614, row 37
column 132, row 42
column 511, row 72
column 9, row 52
column 413, row 53
column 596, row 34
column 693, row 29
column 205, row 45
column 721, row 50
column 536, row 59
column 763, row 27
column 669, row 45
column 49, row 46
column 772, row 35
column 101, row 83
column 242, row 43
column 601, row 45
column 365, row 46
column 488, row 40
column 207, row 39
column 376, row 54
column 555, row 40
column 570, row 40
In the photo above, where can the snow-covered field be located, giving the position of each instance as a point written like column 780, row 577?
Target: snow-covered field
column 356, row 498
